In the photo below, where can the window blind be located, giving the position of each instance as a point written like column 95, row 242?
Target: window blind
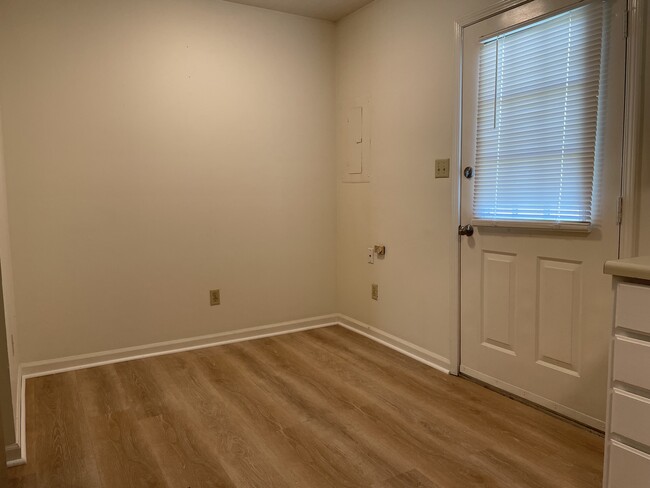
column 537, row 122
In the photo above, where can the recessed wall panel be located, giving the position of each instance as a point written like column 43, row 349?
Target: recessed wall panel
column 559, row 313
column 498, row 287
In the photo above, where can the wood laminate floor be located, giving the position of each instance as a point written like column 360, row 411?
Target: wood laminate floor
column 323, row 408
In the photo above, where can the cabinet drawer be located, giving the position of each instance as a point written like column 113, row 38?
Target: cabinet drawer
column 631, row 416
column 628, row 468
column 633, row 307
column 632, row 361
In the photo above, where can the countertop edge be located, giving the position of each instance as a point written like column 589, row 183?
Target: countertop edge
column 638, row 268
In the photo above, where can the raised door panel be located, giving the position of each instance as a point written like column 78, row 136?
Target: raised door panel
column 559, row 314
column 498, row 288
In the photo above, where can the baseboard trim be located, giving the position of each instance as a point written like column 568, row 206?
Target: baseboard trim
column 536, row 399
column 17, row 453
column 84, row 361
column 72, row 363
column 400, row 345
column 13, row 455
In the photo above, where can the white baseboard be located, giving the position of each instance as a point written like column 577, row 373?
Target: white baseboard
column 13, row 455
column 400, row 345
column 17, row 453
column 544, row 402
column 72, row 363
column 22, row 422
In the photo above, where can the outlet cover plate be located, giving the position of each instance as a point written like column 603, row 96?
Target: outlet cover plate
column 442, row 168
column 371, row 255
column 215, row 297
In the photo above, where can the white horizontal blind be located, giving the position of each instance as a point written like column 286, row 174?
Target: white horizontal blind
column 537, row 120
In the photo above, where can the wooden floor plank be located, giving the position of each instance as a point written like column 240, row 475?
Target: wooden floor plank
column 410, row 479
column 232, row 441
column 384, row 435
column 61, row 450
column 330, row 447
column 535, row 439
column 322, row 408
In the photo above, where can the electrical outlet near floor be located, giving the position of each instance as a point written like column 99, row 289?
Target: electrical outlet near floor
column 215, row 298
column 375, row 292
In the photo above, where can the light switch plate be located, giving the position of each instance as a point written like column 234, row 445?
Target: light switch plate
column 442, row 168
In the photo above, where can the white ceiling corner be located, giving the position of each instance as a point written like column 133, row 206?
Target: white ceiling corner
column 332, row 10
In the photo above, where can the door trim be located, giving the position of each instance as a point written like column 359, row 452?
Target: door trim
column 631, row 148
column 629, row 243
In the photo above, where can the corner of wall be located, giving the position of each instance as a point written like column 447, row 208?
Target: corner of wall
column 9, row 319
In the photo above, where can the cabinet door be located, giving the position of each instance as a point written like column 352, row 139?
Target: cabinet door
column 628, row 468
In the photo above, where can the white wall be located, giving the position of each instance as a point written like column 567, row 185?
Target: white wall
column 644, row 228
column 400, row 53
column 158, row 149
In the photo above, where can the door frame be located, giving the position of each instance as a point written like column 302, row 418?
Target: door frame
column 631, row 147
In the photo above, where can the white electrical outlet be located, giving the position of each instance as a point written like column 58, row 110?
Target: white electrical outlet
column 371, row 255
column 442, row 168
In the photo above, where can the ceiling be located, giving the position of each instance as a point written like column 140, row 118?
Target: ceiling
column 320, row 9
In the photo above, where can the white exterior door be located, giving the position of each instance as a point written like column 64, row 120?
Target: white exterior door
column 536, row 308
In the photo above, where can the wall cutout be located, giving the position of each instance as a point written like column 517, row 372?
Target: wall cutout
column 357, row 142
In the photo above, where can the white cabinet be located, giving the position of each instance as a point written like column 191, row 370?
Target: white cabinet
column 628, row 467
column 627, row 450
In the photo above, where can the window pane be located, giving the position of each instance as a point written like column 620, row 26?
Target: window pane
column 537, row 120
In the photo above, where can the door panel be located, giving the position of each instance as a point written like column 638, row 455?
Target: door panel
column 536, row 308
column 499, row 282
column 559, row 314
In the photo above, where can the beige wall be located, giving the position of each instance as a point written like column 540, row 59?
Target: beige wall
column 7, row 406
column 644, row 234
column 155, row 150
column 9, row 358
column 400, row 53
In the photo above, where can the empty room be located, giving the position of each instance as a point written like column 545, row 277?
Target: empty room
column 325, row 243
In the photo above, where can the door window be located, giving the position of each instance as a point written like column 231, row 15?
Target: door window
column 538, row 99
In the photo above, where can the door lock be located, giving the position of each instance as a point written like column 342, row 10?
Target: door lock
column 466, row 230
column 468, row 172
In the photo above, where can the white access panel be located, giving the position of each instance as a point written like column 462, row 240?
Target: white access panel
column 354, row 160
column 354, row 140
